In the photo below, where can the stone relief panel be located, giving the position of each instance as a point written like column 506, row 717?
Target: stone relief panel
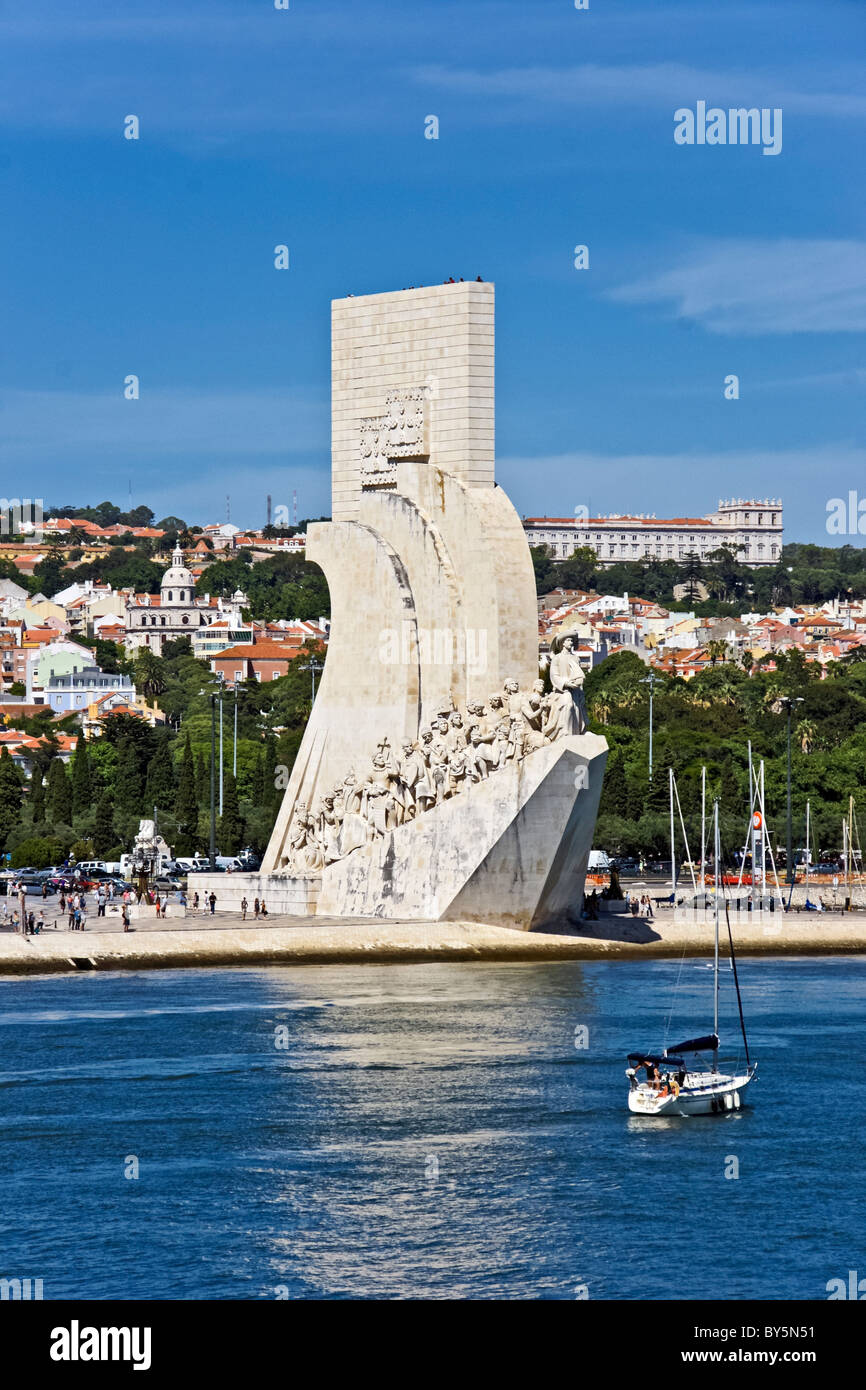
column 400, row 433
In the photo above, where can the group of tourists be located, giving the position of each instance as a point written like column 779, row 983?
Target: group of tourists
column 259, row 908
column 27, row 922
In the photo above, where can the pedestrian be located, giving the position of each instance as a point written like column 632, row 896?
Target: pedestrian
column 100, row 902
column 62, row 899
column 72, row 910
column 158, row 905
column 82, row 905
column 195, row 902
column 263, row 909
column 244, row 906
column 31, row 922
column 256, row 908
column 76, row 919
column 40, row 922
column 44, row 891
column 212, row 901
column 125, row 914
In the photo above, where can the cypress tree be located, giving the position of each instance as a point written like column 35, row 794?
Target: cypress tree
column 128, row 783
column 159, row 789
column 80, row 778
column 202, row 781
column 614, row 789
column 186, row 802
column 271, row 794
column 58, row 798
column 11, row 796
column 231, row 827
column 104, row 836
column 37, row 798
column 257, row 790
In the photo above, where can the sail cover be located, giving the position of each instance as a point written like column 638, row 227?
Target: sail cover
column 708, row 1044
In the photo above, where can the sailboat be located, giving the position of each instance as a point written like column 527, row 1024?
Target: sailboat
column 685, row 1079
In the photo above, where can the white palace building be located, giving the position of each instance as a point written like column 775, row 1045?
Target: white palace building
column 754, row 525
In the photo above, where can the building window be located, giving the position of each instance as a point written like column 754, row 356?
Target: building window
column 162, row 620
column 239, row 675
column 185, row 618
column 170, row 596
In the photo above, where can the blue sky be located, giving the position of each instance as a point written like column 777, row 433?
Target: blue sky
column 306, row 127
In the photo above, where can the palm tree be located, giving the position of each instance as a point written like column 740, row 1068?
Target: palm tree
column 717, row 651
column 601, row 705
column 806, row 732
column 150, row 673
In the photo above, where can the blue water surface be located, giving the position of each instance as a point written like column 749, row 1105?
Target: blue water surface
column 424, row 1131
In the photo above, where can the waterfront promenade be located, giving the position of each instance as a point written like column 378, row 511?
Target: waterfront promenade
column 203, row 940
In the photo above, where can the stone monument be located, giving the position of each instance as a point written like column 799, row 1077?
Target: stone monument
column 436, row 778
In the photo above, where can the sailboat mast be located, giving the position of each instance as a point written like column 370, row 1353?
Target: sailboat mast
column 850, row 848
column 716, row 958
column 673, row 844
column 703, row 829
column 752, row 831
column 808, row 845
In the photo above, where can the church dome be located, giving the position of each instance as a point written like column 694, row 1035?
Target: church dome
column 178, row 585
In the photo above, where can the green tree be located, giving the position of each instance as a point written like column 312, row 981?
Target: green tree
column 186, row 803
column 82, row 790
column 580, row 571
column 129, row 784
column 160, row 783
column 58, row 796
column 614, row 788
column 151, row 677
column 104, row 837
column 545, row 578
column 202, row 780
column 11, row 796
column 37, row 798
column 231, row 826
column 39, row 852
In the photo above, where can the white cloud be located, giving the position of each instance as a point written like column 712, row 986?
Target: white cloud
column 755, row 287
column 647, row 84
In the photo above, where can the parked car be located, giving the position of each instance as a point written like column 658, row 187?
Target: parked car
column 167, row 885
column 627, row 867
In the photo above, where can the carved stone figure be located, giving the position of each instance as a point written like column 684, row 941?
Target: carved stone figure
column 455, row 753
column 567, row 707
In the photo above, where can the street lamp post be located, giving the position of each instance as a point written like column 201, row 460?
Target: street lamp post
column 213, row 782
column 650, row 680
column 235, row 752
column 789, row 704
column 313, row 667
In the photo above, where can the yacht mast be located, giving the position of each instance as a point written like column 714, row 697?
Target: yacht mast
column 673, row 844
column 716, row 961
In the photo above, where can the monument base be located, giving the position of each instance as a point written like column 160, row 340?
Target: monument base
column 510, row 851
column 284, row 896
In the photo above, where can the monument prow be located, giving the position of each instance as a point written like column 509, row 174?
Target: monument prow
column 437, row 778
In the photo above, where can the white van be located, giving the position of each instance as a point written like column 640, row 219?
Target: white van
column 193, row 864
column 599, row 862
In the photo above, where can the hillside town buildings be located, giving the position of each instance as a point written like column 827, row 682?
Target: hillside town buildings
column 682, row 644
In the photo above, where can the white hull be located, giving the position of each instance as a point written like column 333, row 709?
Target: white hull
column 707, row 1093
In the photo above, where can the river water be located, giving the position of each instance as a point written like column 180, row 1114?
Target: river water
column 425, row 1131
